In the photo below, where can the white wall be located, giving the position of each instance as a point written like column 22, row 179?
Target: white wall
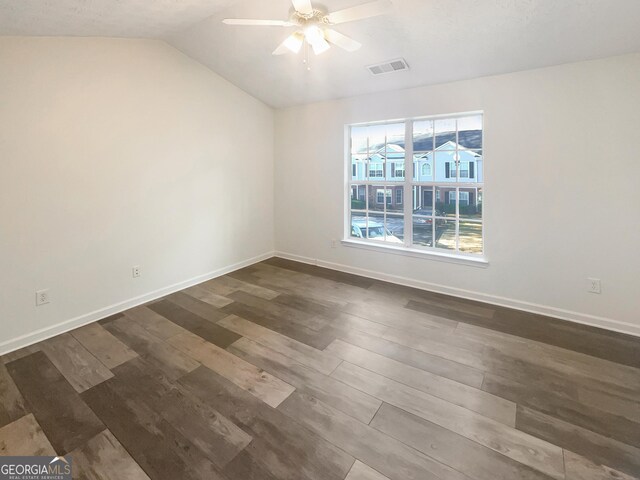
column 562, row 201
column 115, row 153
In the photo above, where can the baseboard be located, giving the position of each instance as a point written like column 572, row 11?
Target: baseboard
column 577, row 317
column 43, row 334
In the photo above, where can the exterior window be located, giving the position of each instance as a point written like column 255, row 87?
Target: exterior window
column 464, row 169
column 354, row 170
column 450, row 170
column 445, row 181
column 463, row 197
column 382, row 195
column 375, row 170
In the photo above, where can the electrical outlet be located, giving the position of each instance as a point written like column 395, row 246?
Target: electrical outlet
column 136, row 271
column 594, row 285
column 42, row 297
column 334, row 243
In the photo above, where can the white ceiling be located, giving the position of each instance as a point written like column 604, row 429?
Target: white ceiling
column 104, row 18
column 442, row 40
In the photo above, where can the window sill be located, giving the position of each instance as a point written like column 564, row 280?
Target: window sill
column 417, row 253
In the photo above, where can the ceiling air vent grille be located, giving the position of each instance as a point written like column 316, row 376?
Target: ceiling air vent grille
column 389, row 67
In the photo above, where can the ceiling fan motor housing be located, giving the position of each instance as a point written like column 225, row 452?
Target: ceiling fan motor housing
column 318, row 17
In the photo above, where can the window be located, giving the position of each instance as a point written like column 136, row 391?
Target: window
column 381, row 195
column 444, row 185
column 464, row 169
column 375, row 170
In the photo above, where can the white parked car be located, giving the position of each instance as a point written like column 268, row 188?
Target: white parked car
column 372, row 231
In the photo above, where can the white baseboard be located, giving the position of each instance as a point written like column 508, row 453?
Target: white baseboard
column 577, row 317
column 43, row 334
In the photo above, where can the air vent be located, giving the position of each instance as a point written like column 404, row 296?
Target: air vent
column 389, row 67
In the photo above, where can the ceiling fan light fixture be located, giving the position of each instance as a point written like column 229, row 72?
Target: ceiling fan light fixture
column 320, row 47
column 294, row 42
column 315, row 37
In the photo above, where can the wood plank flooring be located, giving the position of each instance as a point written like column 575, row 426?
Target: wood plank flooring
column 284, row 370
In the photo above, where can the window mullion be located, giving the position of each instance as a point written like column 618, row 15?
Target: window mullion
column 408, row 179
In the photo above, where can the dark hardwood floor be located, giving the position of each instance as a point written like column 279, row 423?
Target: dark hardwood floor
column 284, row 370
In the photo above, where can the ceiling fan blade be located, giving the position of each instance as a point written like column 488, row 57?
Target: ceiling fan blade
column 256, row 22
column 293, row 43
column 342, row 41
column 303, row 6
column 371, row 9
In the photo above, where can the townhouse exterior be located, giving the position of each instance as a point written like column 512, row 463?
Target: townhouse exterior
column 449, row 163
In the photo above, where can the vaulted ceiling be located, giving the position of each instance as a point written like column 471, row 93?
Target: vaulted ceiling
column 442, row 40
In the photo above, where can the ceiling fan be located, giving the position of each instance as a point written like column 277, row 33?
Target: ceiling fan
column 313, row 26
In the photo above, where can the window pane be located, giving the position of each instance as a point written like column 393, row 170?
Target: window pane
column 470, row 165
column 375, row 167
column 422, row 200
column 395, row 167
column 423, row 135
column 446, row 234
column 358, row 225
column 445, row 130
column 470, row 131
column 378, row 196
column 395, row 135
column 375, row 229
column 423, row 216
column 377, row 137
column 471, row 237
column 446, row 166
column 395, row 228
column 358, row 167
column 394, row 152
column 358, row 139
column 358, row 197
column 423, row 231
column 423, row 167
column 445, row 198
column 471, row 203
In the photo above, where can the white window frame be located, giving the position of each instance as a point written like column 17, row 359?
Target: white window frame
column 408, row 248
